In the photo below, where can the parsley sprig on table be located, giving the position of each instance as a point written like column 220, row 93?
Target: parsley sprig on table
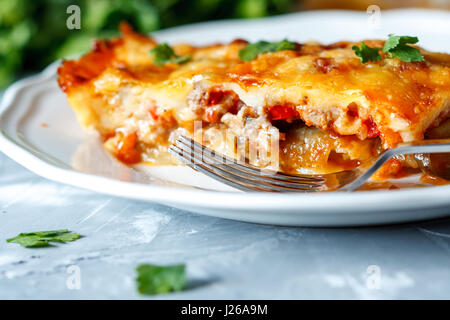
column 253, row 50
column 43, row 238
column 151, row 279
column 154, row 279
column 395, row 47
column 163, row 54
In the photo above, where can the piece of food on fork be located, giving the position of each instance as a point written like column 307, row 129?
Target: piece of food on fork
column 314, row 108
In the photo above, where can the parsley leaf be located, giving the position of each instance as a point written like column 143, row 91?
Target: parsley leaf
column 42, row 238
column 397, row 47
column 163, row 54
column 153, row 279
column 366, row 53
column 251, row 51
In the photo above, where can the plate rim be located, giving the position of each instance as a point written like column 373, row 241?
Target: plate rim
column 312, row 13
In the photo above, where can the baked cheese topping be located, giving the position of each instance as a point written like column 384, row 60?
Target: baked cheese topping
column 139, row 107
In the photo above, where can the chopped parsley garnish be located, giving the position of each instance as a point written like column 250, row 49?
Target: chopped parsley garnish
column 251, row 51
column 395, row 47
column 43, row 238
column 163, row 54
column 366, row 53
column 153, row 279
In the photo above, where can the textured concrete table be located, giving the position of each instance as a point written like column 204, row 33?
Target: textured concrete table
column 225, row 259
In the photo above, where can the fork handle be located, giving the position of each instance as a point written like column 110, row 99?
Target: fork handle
column 420, row 146
column 426, row 146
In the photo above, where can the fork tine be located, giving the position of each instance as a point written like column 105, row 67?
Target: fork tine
column 249, row 169
column 213, row 161
column 197, row 166
column 225, row 177
column 192, row 159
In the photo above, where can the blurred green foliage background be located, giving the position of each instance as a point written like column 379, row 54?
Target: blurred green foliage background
column 33, row 33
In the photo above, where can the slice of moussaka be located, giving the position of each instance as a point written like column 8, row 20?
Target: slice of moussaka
column 315, row 108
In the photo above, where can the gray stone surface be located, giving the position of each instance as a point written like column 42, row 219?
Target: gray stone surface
column 225, row 259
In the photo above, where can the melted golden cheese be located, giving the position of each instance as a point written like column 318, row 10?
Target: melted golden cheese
column 116, row 87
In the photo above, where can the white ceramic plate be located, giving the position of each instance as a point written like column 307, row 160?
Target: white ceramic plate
column 39, row 130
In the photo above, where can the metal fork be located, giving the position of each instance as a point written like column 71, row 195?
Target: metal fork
column 246, row 177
